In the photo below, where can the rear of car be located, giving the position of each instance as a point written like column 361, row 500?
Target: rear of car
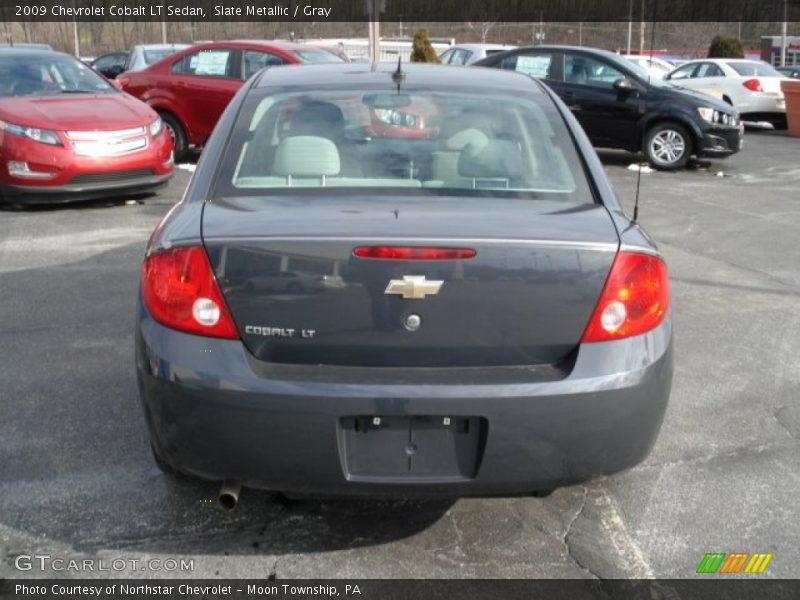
column 484, row 319
column 753, row 87
column 67, row 134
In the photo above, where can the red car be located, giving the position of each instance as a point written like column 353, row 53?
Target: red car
column 66, row 133
column 190, row 89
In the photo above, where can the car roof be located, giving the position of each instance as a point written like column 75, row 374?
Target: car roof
column 482, row 46
column 162, row 46
column 279, row 44
column 16, row 52
column 415, row 75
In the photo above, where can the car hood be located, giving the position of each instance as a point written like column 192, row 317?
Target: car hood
column 96, row 112
column 698, row 98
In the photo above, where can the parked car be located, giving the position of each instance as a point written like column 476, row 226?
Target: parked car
column 620, row 106
column 657, row 67
column 191, row 88
column 142, row 56
column 66, row 133
column 447, row 359
column 110, row 65
column 791, row 72
column 26, row 46
column 466, row 54
column 752, row 87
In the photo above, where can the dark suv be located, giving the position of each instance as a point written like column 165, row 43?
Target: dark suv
column 620, row 106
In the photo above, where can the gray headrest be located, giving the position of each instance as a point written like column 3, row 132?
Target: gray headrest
column 496, row 158
column 306, row 156
column 463, row 138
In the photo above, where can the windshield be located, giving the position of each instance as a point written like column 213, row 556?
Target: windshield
column 48, row 75
column 752, row 68
column 313, row 55
column 421, row 142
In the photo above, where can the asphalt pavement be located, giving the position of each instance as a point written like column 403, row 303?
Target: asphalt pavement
column 77, row 480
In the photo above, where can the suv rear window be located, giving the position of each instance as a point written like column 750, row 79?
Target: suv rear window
column 420, row 142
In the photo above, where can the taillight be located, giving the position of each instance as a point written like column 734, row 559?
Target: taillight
column 754, row 85
column 180, row 291
column 413, row 253
column 634, row 299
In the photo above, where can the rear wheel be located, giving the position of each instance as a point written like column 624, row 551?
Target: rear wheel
column 668, row 146
column 178, row 135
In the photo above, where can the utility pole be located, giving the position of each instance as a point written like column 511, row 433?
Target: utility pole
column 163, row 32
column 641, row 31
column 374, row 30
column 783, row 33
column 630, row 24
column 76, row 38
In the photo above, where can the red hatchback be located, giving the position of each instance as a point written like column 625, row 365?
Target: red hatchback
column 190, row 89
column 66, row 133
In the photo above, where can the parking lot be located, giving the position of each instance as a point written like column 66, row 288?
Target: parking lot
column 77, row 479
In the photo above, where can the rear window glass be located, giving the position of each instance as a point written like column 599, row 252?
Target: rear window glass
column 415, row 142
column 316, row 56
column 151, row 56
column 748, row 69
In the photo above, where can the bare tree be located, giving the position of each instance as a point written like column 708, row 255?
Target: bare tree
column 482, row 28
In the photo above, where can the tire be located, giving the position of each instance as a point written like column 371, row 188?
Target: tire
column 668, row 146
column 294, row 288
column 178, row 135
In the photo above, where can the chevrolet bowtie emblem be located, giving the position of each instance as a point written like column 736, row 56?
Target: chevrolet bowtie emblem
column 413, row 286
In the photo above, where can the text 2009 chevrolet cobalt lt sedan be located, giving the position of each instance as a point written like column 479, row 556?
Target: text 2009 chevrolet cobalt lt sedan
column 487, row 321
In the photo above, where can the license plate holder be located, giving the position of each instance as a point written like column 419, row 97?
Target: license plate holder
column 391, row 448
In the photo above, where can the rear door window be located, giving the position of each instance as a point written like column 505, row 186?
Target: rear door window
column 217, row 62
column 255, row 60
column 539, row 65
column 584, row 70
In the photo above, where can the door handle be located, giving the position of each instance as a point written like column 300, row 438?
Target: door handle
column 569, row 95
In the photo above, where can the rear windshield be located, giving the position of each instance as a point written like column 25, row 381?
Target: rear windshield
column 314, row 55
column 748, row 69
column 151, row 56
column 417, row 142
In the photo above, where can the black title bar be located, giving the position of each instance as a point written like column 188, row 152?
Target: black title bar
column 507, row 11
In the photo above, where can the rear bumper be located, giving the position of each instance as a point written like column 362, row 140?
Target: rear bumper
column 216, row 413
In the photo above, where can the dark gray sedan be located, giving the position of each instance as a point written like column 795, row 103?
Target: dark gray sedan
column 489, row 321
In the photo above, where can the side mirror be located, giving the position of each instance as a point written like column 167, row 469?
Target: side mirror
column 623, row 84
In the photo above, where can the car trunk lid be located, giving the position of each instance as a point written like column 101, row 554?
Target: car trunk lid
column 299, row 295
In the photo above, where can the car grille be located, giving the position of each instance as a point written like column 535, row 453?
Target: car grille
column 108, row 143
column 112, row 176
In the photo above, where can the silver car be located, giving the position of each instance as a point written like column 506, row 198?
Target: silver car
column 753, row 87
column 144, row 55
column 466, row 54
